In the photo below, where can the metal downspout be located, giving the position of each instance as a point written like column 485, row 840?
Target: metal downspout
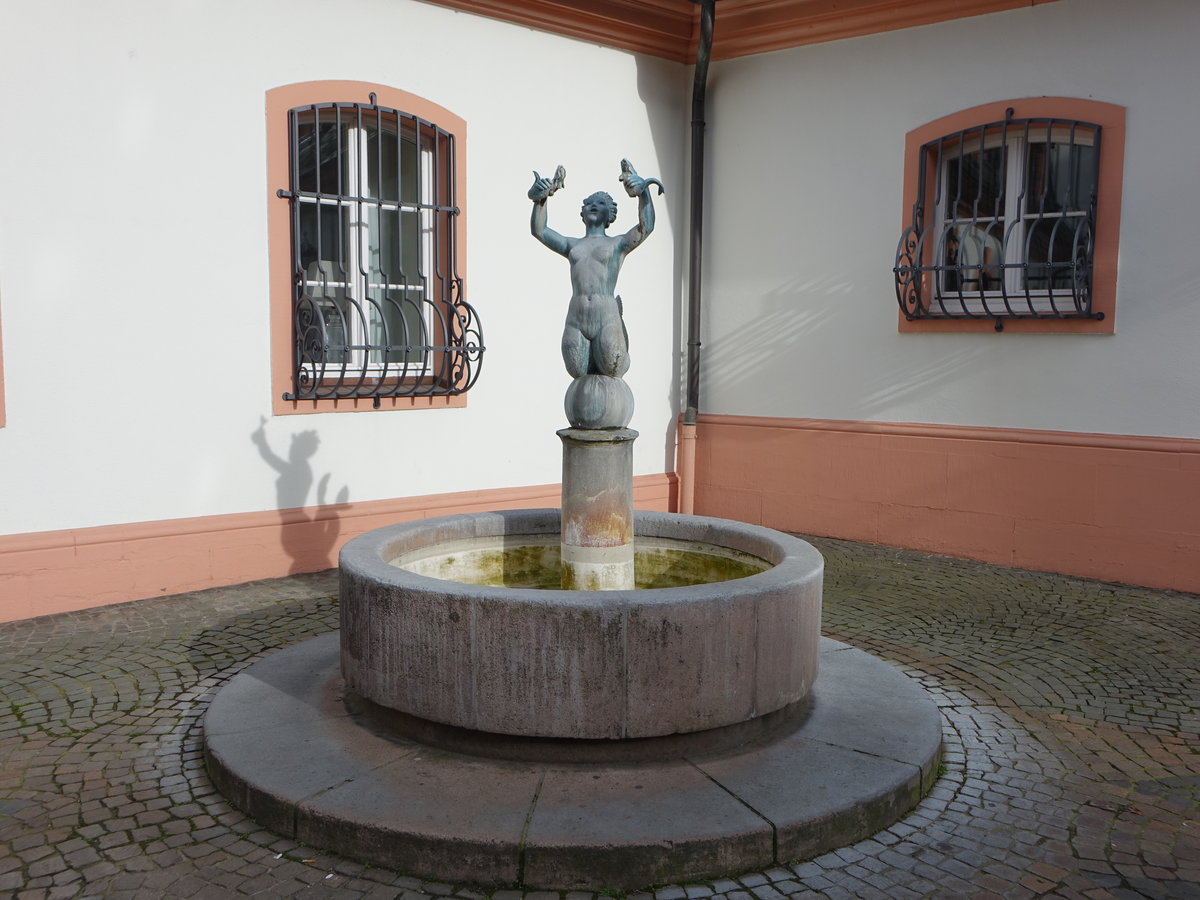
column 686, row 465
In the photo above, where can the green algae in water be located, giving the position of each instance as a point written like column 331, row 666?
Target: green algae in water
column 536, row 565
column 660, row 567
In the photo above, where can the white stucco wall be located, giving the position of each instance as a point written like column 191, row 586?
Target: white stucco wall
column 805, row 209
column 133, row 250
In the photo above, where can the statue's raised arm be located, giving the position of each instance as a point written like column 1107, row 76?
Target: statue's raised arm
column 539, row 193
column 637, row 186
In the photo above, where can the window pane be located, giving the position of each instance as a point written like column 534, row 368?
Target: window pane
column 323, row 229
column 974, row 183
column 321, row 154
column 974, row 252
column 397, row 324
column 1053, row 246
column 324, row 322
column 1059, row 176
column 395, row 247
column 391, row 164
column 382, row 177
column 326, row 280
column 338, row 314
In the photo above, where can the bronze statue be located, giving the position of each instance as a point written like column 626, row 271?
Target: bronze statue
column 594, row 341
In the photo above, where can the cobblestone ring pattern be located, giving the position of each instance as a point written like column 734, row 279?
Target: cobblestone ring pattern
column 1072, row 749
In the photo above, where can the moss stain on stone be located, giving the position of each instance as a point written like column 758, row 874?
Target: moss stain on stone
column 538, row 566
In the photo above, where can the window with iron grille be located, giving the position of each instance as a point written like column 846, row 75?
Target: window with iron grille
column 1003, row 223
column 378, row 303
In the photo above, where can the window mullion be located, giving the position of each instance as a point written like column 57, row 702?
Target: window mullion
column 1014, row 197
column 356, row 167
column 428, row 261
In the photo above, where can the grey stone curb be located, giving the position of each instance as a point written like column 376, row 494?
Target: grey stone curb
column 280, row 744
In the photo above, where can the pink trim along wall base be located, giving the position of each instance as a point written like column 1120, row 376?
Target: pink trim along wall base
column 1113, row 507
column 58, row 571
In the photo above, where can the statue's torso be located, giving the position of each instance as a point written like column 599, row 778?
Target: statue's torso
column 595, row 263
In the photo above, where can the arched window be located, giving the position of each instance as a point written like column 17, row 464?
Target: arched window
column 376, row 300
column 1006, row 215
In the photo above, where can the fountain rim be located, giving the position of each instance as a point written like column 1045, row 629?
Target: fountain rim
column 788, row 557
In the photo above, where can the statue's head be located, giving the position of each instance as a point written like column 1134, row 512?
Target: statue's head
column 600, row 198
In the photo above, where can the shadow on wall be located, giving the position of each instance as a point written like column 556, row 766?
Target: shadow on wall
column 659, row 82
column 782, row 349
column 761, row 356
column 308, row 530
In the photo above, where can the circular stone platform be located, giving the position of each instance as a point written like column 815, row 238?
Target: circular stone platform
column 281, row 745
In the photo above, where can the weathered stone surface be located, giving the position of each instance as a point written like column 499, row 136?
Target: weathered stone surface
column 547, row 670
column 426, row 812
column 818, row 794
column 287, row 701
column 787, row 629
column 597, row 508
column 691, row 662
column 658, row 821
column 897, row 724
column 338, row 783
column 873, row 737
column 406, row 647
column 572, row 664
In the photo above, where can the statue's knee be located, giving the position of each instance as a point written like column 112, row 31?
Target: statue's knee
column 618, row 364
column 611, row 352
column 575, row 353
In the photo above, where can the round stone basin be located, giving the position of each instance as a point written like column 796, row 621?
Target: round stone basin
column 533, row 561
column 511, row 659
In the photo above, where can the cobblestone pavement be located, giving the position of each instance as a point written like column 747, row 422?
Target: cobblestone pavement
column 1071, row 713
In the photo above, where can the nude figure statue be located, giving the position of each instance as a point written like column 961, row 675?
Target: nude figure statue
column 594, row 340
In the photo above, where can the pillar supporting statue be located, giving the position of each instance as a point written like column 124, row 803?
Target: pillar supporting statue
column 597, row 504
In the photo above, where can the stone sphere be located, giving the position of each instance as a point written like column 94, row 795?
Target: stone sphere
column 599, row 401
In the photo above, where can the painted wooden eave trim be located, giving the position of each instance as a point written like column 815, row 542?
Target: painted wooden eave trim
column 663, row 28
column 668, row 28
column 746, row 27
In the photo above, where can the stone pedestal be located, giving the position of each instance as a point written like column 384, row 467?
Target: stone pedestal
column 597, row 509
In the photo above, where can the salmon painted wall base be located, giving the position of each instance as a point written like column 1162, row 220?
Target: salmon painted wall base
column 1114, row 507
column 58, row 571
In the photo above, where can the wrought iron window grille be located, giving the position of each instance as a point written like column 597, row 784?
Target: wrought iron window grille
column 1003, row 224
column 378, row 305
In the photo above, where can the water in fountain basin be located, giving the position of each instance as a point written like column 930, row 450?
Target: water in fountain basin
column 532, row 561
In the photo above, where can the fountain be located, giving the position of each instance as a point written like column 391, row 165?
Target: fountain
column 584, row 697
